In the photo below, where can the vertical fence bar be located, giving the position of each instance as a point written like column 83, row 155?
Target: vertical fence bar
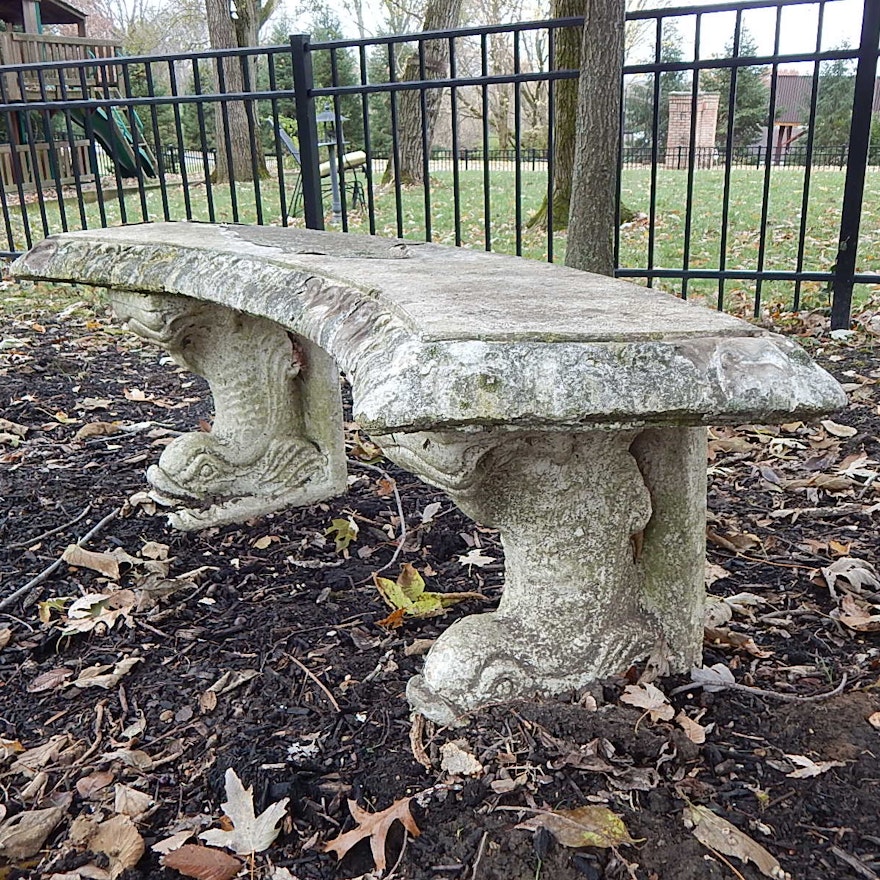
column 517, row 142
column 178, row 133
column 765, row 198
column 426, row 143
column 692, row 161
column 551, row 145
column 395, row 143
column 808, row 160
column 203, row 141
column 224, row 130
column 275, row 124
column 728, row 144
column 307, row 130
column 487, row 199
column 258, row 161
column 368, row 142
column 655, row 152
column 857, row 162
column 74, row 152
column 158, row 146
column 456, row 175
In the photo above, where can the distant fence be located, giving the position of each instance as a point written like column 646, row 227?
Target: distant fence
column 207, row 136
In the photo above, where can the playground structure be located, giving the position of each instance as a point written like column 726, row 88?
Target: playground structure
column 32, row 154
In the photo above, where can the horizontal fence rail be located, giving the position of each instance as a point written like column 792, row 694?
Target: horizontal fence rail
column 462, row 137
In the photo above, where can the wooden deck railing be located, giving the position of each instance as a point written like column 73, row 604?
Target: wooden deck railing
column 43, row 48
column 50, row 163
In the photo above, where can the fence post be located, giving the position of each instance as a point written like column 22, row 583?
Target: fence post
column 306, row 130
column 856, row 165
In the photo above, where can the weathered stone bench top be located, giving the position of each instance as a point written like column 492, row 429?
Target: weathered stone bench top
column 535, row 396
column 401, row 318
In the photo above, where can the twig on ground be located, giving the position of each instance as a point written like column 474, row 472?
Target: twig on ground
column 760, row 692
column 21, row 544
column 316, row 680
column 403, row 533
column 50, row 570
column 479, row 858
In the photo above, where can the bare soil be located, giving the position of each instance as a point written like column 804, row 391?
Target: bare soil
column 323, row 718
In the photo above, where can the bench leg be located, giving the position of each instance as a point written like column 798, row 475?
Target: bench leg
column 603, row 534
column 276, row 440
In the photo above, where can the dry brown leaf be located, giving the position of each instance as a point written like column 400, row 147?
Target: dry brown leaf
column 202, row 862
column 856, row 573
column 32, row 760
column 175, row 841
column 5, row 636
column 207, row 702
column 8, row 427
column 98, row 676
column 719, row 835
column 808, row 768
column 456, row 759
column 117, row 838
column 583, row 826
column 93, row 783
column 650, row 698
column 838, row 430
column 854, row 616
column 874, row 720
column 100, row 562
column 727, row 638
column 23, row 835
column 694, row 731
column 50, row 680
column 374, row 826
column 96, row 429
column 136, row 758
column 9, row 747
column 130, row 802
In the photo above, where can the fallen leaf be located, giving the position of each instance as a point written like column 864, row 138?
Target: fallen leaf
column 374, row 826
column 130, row 802
column 408, row 594
column 838, row 430
column 582, row 826
column 117, row 838
column 10, row 747
column 32, row 760
column 86, row 786
column 207, row 702
column 98, row 676
column 14, row 428
column 475, row 557
column 694, row 731
column 719, row 835
column 24, row 834
column 650, row 698
column 136, row 758
column 5, row 636
column 713, row 678
column 808, row 768
column 344, row 531
column 874, row 720
column 857, row 572
column 201, row 862
column 265, row 542
column 232, row 679
column 727, row 638
column 94, row 609
column 249, row 833
column 50, row 680
column 456, row 759
column 854, row 616
column 175, row 841
column 97, row 429
column 155, row 550
column 431, row 510
column 100, row 562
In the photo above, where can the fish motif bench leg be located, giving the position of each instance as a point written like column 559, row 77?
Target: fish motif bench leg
column 276, row 440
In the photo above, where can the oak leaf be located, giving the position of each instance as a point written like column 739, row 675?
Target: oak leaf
column 374, row 826
column 250, row 833
column 651, row 699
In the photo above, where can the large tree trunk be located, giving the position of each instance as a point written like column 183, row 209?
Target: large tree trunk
column 233, row 125
column 594, row 186
column 439, row 15
column 568, row 56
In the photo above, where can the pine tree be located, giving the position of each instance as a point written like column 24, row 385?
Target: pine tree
column 752, row 96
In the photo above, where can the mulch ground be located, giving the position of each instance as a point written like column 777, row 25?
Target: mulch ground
column 259, row 648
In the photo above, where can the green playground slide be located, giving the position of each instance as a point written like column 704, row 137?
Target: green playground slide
column 113, row 133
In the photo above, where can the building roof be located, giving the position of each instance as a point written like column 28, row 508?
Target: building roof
column 793, row 92
column 51, row 12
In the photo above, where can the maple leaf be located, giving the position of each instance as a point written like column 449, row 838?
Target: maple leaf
column 375, row 826
column 408, row 594
column 651, row 699
column 344, row 531
column 250, row 833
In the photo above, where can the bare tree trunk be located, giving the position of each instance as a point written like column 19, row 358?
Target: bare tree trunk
column 568, row 56
column 594, row 188
column 439, row 15
column 233, row 125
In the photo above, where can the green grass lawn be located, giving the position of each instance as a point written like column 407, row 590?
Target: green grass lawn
column 743, row 236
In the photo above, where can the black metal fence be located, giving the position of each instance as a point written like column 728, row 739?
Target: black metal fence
column 460, row 137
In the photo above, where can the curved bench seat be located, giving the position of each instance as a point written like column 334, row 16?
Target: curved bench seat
column 531, row 393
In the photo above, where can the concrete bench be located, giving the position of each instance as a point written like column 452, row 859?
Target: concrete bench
column 563, row 408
